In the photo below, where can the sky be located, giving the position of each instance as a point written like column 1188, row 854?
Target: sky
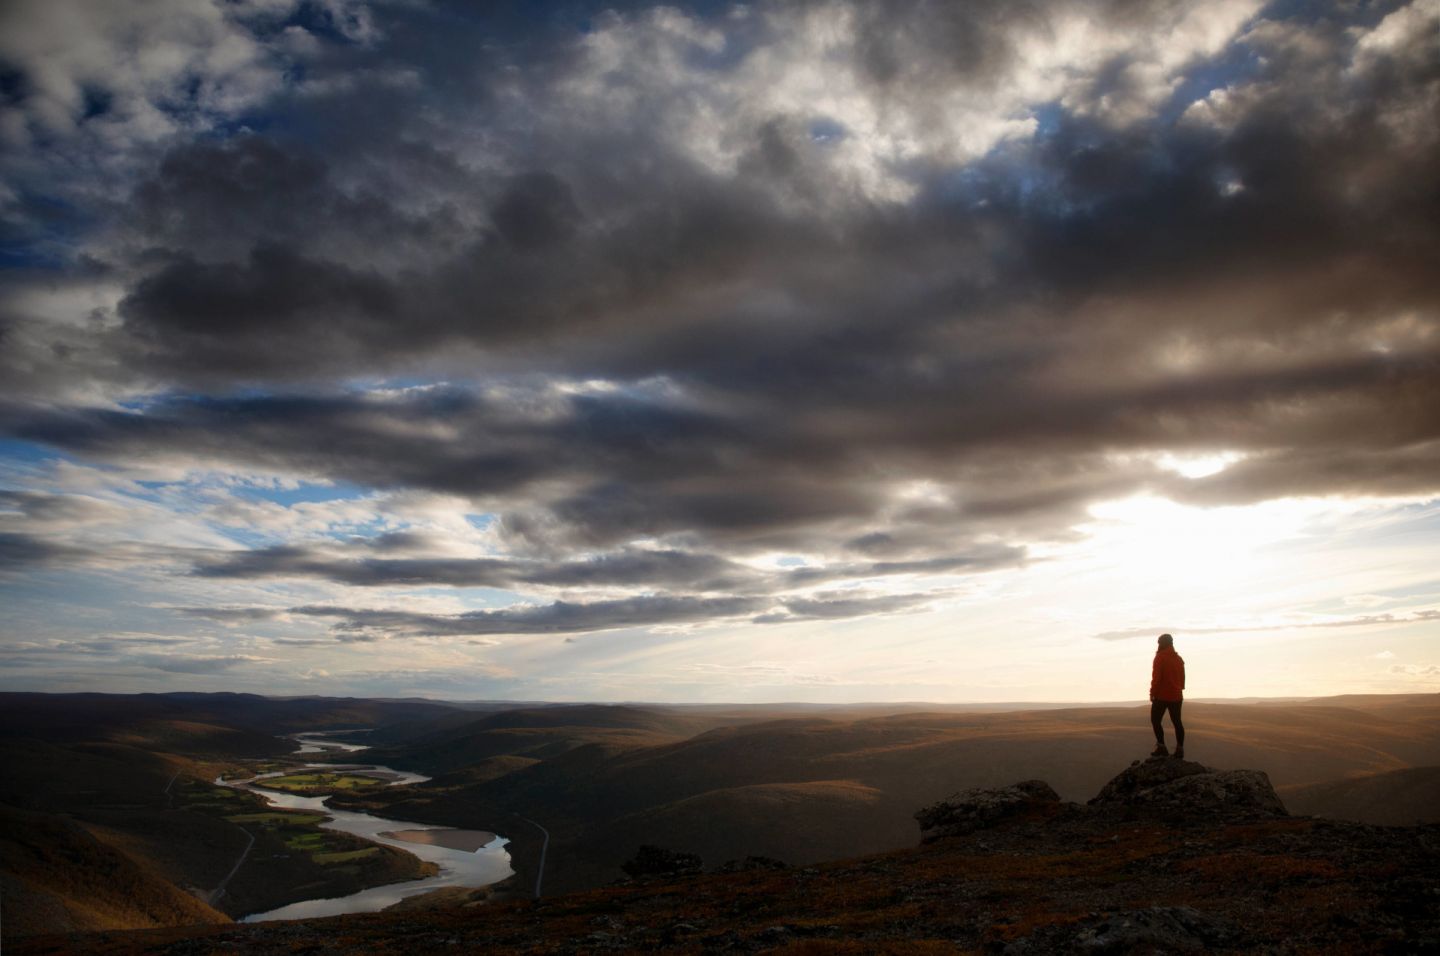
column 865, row 350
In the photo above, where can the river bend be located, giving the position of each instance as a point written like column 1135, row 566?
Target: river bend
column 489, row 864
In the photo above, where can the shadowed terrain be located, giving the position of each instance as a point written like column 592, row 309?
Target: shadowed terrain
column 801, row 785
column 1396, row 798
column 1169, row 857
column 812, row 788
column 112, row 817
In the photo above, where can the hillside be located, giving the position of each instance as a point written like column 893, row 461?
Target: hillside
column 603, row 780
column 1169, row 857
column 1396, row 798
column 447, row 742
column 597, row 798
column 60, row 876
column 112, row 818
column 87, row 717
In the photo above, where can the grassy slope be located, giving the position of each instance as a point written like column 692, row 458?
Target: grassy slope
column 1280, row 885
column 1396, row 798
column 73, row 717
column 596, row 798
column 176, row 828
column 605, row 779
column 59, row 876
column 447, row 744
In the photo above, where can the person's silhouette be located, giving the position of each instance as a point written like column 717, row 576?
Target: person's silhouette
column 1167, row 691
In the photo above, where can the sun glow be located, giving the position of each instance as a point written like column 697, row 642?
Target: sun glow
column 1198, row 466
column 1148, row 537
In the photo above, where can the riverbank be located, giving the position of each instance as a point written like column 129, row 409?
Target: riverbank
column 486, row 863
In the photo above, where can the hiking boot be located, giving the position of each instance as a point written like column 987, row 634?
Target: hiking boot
column 1179, row 753
column 1159, row 751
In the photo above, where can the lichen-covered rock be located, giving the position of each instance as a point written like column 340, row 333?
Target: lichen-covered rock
column 1157, row 929
column 1181, row 788
column 655, row 861
column 751, row 863
column 1145, row 775
column 971, row 810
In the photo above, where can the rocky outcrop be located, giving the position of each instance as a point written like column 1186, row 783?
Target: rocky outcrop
column 971, row 810
column 1186, row 789
column 1157, row 929
column 650, row 862
column 1024, row 874
column 1159, row 787
column 752, row 863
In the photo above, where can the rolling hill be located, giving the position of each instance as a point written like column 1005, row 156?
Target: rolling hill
column 799, row 784
column 600, row 793
column 1395, row 798
column 1169, row 857
column 59, row 876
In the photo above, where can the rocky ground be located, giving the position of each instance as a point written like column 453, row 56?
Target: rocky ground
column 1169, row 857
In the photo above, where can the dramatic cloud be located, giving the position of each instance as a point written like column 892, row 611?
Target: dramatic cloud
column 196, row 664
column 659, row 317
column 560, row 617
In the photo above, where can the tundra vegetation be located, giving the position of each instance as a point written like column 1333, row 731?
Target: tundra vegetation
column 800, row 785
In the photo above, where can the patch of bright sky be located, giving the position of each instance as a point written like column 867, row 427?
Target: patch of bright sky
column 1238, row 63
column 1030, row 634
column 22, row 460
column 483, row 522
column 290, row 493
column 470, row 599
column 1198, row 466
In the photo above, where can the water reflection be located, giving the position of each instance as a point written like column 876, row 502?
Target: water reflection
column 489, row 864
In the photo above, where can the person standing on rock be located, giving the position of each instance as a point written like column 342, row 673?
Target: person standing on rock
column 1167, row 691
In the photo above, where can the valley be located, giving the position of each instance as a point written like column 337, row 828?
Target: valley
column 133, row 780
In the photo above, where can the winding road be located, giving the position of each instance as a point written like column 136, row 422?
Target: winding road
column 219, row 890
column 540, row 871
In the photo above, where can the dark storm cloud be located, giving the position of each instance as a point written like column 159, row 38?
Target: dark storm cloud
column 653, row 569
column 232, row 615
column 558, row 618
column 112, row 646
column 830, row 606
column 563, row 617
column 195, row 664
column 22, row 551
column 673, row 569
column 776, row 330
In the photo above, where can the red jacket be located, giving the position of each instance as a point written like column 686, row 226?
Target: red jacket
column 1167, row 676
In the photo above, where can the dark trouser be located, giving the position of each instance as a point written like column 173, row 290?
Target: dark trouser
column 1157, row 711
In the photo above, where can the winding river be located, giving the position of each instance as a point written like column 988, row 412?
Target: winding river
column 487, row 865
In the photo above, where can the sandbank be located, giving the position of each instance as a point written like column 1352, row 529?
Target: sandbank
column 467, row 840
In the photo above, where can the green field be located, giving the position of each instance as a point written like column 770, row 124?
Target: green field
column 297, row 833
column 313, row 784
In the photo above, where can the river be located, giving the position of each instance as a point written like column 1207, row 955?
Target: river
column 489, row 864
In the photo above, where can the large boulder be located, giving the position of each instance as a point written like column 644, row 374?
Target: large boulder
column 1182, row 788
column 971, row 810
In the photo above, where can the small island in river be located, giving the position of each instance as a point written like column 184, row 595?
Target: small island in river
column 319, row 784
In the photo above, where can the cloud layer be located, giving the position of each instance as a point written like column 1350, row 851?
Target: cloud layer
column 762, row 313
